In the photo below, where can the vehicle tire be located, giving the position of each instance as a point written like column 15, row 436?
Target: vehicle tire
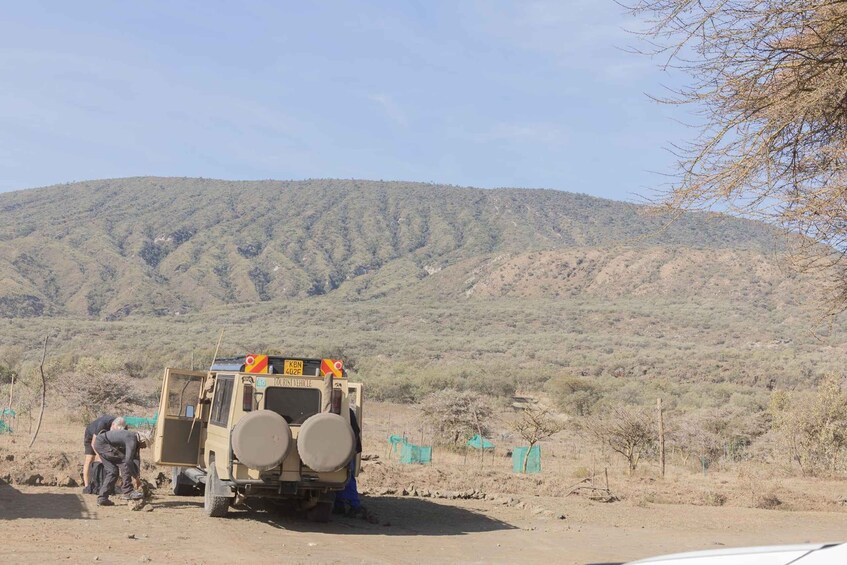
column 214, row 506
column 320, row 513
column 180, row 486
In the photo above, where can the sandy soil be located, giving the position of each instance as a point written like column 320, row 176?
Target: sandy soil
column 522, row 519
column 52, row 524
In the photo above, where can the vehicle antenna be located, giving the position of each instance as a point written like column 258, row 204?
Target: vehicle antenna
column 218, row 348
column 198, row 413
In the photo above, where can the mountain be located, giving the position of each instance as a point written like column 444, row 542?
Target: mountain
column 113, row 248
column 418, row 287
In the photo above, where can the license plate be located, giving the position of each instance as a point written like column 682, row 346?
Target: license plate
column 292, row 367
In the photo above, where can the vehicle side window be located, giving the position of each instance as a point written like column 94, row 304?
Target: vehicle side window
column 222, row 400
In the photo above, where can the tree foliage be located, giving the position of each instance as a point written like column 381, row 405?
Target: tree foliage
column 813, row 426
column 456, row 416
column 769, row 80
column 574, row 395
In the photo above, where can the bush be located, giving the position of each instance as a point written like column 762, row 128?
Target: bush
column 573, row 395
column 456, row 415
column 93, row 394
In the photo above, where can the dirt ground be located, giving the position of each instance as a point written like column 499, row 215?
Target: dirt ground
column 53, row 524
column 457, row 510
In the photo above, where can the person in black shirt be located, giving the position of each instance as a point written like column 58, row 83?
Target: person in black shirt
column 101, row 424
column 118, row 449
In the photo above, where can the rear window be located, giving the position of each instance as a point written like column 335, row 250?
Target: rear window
column 220, row 404
column 293, row 404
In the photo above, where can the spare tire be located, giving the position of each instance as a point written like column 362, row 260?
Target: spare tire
column 326, row 442
column 261, row 439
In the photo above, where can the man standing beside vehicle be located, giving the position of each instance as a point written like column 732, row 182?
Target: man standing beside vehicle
column 118, row 449
column 101, row 424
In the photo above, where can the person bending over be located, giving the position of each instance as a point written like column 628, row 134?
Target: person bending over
column 118, row 450
column 101, row 424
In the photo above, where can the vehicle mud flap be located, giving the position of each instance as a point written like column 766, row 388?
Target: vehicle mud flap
column 218, row 495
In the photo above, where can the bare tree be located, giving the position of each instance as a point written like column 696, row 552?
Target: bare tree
column 533, row 425
column 457, row 415
column 628, row 431
column 769, row 81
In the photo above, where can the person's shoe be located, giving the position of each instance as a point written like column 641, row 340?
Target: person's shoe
column 134, row 495
column 105, row 502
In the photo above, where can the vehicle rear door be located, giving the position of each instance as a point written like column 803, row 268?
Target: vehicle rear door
column 179, row 426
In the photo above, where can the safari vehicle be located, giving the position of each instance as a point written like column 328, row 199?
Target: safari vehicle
column 256, row 426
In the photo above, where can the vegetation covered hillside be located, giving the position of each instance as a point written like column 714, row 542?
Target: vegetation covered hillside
column 417, row 287
column 111, row 248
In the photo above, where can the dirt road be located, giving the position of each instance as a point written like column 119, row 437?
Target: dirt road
column 50, row 524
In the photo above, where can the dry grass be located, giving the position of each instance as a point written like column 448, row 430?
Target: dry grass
column 566, row 460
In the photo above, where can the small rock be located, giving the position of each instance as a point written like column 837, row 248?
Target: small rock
column 148, row 508
column 144, row 559
column 66, row 481
column 131, row 536
column 560, row 516
column 10, row 457
column 96, row 558
column 312, row 544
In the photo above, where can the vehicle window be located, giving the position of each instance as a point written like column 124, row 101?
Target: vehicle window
column 293, row 404
column 222, row 400
column 183, row 392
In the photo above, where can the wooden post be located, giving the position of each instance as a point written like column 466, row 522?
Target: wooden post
column 661, row 435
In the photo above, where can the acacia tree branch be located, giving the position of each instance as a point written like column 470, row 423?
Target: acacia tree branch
column 43, row 392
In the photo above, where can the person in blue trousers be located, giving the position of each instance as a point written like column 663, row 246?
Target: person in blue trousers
column 347, row 501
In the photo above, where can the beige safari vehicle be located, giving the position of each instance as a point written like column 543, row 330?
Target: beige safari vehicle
column 260, row 427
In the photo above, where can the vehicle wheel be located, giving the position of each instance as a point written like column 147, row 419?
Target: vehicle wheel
column 320, row 513
column 180, row 486
column 215, row 506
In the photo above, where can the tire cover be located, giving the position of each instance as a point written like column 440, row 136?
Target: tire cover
column 326, row 442
column 261, row 439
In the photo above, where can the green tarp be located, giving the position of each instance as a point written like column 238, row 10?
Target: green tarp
column 480, row 443
column 6, row 413
column 138, row 421
column 415, row 454
column 533, row 463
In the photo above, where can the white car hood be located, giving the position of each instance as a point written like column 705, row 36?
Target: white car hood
column 811, row 554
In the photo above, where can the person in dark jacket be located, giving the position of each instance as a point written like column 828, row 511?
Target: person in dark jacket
column 118, row 450
column 101, row 424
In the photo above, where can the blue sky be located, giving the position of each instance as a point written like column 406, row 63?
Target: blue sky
column 536, row 94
